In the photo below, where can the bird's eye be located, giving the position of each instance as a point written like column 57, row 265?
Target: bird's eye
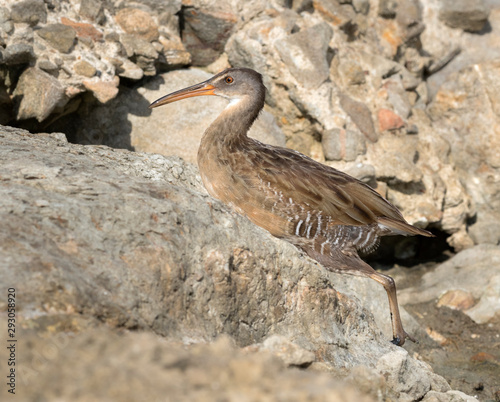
column 229, row 80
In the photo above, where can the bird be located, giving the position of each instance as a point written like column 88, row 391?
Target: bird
column 329, row 215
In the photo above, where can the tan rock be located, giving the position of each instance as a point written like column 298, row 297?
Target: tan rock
column 104, row 91
column 457, row 299
column 84, row 68
column 137, row 22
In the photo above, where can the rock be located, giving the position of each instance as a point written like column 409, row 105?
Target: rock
column 448, row 396
column 29, row 11
column 456, row 299
column 460, row 274
column 130, row 70
column 394, row 159
column 398, row 97
column 400, row 371
column 343, row 144
column 387, row 8
column 304, row 54
column 39, row 94
column 161, row 367
column 137, row 22
column 351, row 72
column 141, row 52
column 486, row 229
column 175, row 54
column 19, row 53
column 338, row 14
column 206, row 33
column 83, row 30
column 92, row 10
column 388, row 120
column 469, row 15
column 84, row 68
column 111, row 230
column 360, row 115
column 361, row 6
column 104, row 91
column 59, row 36
column 290, row 353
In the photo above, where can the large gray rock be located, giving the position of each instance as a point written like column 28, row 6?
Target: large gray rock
column 106, row 236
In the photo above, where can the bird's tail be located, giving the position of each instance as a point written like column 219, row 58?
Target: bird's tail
column 399, row 227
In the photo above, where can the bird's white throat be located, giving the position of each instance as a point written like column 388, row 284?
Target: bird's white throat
column 233, row 102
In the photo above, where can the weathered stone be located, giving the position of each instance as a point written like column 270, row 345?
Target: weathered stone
column 174, row 53
column 400, row 371
column 92, row 10
column 387, row 8
column 456, row 299
column 59, row 36
column 290, row 353
column 137, row 22
column 361, row 6
column 29, row 11
column 39, row 94
column 398, row 97
column 460, row 272
column 469, row 15
column 305, row 54
column 205, row 33
column 388, row 120
column 339, row 144
column 136, row 46
column 340, row 15
column 112, row 229
column 104, row 91
column 360, row 115
column 130, row 70
column 19, row 53
column 84, row 68
column 143, row 366
column 351, row 72
column 448, row 396
column 83, row 30
column 394, row 159
column 47, row 65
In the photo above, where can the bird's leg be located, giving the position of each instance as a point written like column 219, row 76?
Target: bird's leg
column 399, row 334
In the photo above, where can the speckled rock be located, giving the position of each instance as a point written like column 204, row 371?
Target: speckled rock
column 39, row 94
column 59, row 36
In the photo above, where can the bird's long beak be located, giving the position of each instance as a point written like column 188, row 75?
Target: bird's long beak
column 201, row 89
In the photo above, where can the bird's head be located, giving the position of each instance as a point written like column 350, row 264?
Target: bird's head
column 235, row 84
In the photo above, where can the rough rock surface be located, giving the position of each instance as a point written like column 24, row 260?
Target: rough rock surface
column 129, row 240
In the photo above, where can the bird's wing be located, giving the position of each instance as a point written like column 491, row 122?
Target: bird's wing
column 293, row 184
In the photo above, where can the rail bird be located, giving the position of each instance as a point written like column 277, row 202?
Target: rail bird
column 328, row 214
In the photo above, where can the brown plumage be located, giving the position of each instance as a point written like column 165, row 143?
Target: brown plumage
column 328, row 214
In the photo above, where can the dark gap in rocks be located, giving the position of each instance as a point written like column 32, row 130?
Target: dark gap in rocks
column 411, row 251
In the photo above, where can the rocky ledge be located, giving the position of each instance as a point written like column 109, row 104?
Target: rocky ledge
column 125, row 272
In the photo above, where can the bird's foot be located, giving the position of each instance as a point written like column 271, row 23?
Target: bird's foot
column 398, row 341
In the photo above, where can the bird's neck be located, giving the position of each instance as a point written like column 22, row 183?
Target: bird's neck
column 231, row 127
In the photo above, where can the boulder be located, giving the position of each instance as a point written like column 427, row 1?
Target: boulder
column 129, row 240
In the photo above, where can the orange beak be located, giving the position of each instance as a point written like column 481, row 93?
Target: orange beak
column 196, row 90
